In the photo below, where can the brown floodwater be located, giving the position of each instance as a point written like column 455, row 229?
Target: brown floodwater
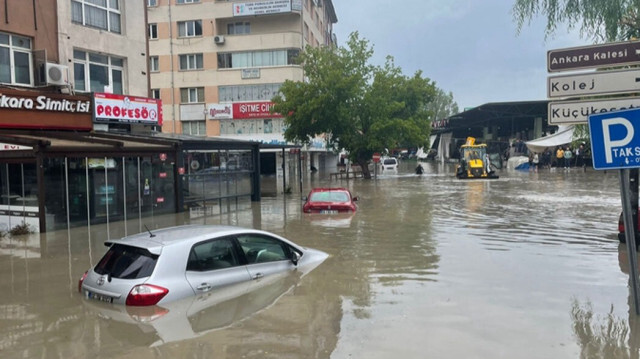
column 525, row 266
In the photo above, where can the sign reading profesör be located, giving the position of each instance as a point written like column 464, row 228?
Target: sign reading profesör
column 615, row 139
column 127, row 109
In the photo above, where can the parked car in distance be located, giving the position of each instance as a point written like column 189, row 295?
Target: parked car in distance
column 621, row 231
column 167, row 264
column 389, row 163
column 329, row 201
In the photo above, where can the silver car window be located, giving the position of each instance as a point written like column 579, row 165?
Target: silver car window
column 211, row 255
column 259, row 249
column 126, row 262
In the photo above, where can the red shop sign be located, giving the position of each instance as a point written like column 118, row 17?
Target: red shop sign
column 244, row 110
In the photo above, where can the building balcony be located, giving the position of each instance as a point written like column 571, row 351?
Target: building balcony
column 254, row 42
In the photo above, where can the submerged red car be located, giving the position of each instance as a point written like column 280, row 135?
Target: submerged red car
column 329, row 201
column 621, row 235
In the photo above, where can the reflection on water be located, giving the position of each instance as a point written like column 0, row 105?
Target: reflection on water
column 599, row 336
column 429, row 266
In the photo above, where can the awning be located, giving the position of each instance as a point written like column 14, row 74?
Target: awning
column 562, row 137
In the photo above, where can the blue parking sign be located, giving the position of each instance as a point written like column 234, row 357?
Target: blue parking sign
column 615, row 139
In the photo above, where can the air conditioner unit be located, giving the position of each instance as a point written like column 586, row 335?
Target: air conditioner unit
column 218, row 39
column 56, row 74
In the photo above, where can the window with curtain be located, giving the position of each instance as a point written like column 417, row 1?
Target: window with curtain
column 92, row 72
column 153, row 31
column 191, row 62
column 15, row 60
column 192, row 95
column 101, row 14
column 257, row 59
column 153, row 63
column 239, row 28
column 190, row 28
column 194, row 128
column 258, row 92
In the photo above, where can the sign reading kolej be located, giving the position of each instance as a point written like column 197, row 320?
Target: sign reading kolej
column 594, row 83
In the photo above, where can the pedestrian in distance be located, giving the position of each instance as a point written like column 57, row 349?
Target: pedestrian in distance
column 568, row 155
column 559, row 157
column 535, row 161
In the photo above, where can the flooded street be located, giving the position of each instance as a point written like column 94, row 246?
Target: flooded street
column 525, row 266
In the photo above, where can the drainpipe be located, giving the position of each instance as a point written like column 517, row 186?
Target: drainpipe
column 35, row 18
column 173, row 97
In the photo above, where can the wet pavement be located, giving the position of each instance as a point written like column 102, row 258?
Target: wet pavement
column 526, row 266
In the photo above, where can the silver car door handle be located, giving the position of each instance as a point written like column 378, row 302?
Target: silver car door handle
column 204, row 287
column 258, row 276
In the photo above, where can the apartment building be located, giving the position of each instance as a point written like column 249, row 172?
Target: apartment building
column 78, row 136
column 217, row 64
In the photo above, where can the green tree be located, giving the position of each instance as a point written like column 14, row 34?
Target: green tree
column 443, row 105
column 599, row 20
column 358, row 107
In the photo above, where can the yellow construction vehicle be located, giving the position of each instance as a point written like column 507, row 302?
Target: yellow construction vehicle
column 474, row 161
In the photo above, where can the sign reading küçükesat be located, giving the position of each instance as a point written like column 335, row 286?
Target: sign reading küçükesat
column 126, row 109
column 43, row 110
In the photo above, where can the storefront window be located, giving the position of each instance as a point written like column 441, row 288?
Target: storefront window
column 18, row 196
column 214, row 178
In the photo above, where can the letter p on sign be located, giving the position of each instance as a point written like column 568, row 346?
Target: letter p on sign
column 608, row 143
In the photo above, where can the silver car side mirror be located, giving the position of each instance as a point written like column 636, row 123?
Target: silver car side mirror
column 295, row 257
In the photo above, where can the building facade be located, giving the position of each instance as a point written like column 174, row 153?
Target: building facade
column 216, row 64
column 79, row 137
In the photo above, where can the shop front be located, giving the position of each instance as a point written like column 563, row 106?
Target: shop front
column 57, row 171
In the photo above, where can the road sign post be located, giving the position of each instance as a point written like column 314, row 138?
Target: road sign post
column 602, row 55
column 615, row 143
column 571, row 112
column 376, row 159
column 594, row 83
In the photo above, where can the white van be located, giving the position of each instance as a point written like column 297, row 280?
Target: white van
column 389, row 163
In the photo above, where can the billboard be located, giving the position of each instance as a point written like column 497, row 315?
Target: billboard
column 112, row 108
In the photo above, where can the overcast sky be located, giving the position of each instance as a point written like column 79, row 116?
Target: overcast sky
column 468, row 47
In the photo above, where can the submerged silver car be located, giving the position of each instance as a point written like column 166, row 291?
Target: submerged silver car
column 164, row 265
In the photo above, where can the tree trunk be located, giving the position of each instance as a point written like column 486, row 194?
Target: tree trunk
column 364, row 165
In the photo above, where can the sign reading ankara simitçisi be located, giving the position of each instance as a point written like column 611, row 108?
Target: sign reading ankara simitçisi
column 610, row 54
